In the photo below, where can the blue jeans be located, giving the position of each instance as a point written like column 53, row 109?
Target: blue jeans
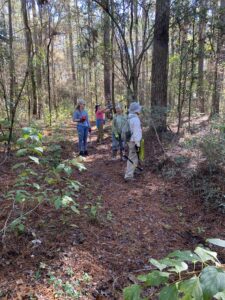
column 82, row 136
column 117, row 144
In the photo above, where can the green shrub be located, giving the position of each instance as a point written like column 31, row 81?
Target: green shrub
column 184, row 275
column 213, row 149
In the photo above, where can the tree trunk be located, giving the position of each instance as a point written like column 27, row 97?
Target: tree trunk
column 201, row 54
column 11, row 61
column 107, row 56
column 220, row 54
column 29, row 49
column 160, row 64
column 74, row 81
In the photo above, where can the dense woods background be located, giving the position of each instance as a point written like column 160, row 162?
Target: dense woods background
column 70, row 227
column 52, row 52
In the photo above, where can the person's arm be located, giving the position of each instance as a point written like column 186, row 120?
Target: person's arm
column 104, row 110
column 136, row 131
column 114, row 129
column 77, row 117
column 87, row 119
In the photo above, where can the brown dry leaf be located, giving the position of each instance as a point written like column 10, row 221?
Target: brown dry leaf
column 19, row 282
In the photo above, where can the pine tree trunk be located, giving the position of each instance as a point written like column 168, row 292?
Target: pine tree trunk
column 160, row 64
column 106, row 56
column 74, row 81
column 29, row 49
column 220, row 55
column 201, row 55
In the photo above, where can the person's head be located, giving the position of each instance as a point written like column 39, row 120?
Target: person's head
column 97, row 107
column 135, row 108
column 118, row 109
column 80, row 104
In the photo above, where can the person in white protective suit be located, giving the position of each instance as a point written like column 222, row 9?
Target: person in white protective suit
column 135, row 140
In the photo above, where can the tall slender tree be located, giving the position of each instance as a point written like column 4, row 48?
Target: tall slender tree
column 160, row 64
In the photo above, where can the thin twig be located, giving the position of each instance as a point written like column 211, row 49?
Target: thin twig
column 6, row 226
column 158, row 139
column 6, row 222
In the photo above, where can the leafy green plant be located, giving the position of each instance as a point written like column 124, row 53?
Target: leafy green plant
column 39, row 182
column 184, row 275
column 93, row 210
column 30, row 143
column 213, row 148
column 71, row 288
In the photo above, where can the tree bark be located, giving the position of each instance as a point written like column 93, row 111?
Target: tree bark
column 29, row 49
column 220, row 54
column 160, row 64
column 107, row 56
column 74, row 81
column 11, row 61
column 201, row 55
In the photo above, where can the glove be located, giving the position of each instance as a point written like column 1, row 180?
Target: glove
column 83, row 119
column 89, row 129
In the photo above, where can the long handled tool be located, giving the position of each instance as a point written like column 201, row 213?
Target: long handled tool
column 139, row 168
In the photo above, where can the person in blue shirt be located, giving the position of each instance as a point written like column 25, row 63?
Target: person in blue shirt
column 80, row 116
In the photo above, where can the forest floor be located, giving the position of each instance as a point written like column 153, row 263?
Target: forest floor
column 121, row 226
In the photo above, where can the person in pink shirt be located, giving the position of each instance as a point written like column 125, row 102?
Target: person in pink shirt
column 100, row 121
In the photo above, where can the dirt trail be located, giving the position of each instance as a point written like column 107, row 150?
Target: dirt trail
column 137, row 220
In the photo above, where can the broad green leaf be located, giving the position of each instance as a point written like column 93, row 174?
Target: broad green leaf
column 66, row 200
column 132, row 292
column 185, row 255
column 178, row 266
column 68, row 170
column 58, row 202
column 21, row 228
column 39, row 150
column 20, row 196
column 157, row 264
column 155, row 278
column 36, row 185
column 74, row 209
column 206, row 255
column 34, row 159
column 35, row 138
column 77, row 164
column 212, row 281
column 21, row 141
column 60, row 167
column 51, row 181
column 169, row 293
column 220, row 296
column 75, row 185
column 191, row 289
column 27, row 130
column 21, row 152
column 217, row 242
column 40, row 135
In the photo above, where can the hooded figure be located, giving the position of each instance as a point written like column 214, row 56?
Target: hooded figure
column 135, row 139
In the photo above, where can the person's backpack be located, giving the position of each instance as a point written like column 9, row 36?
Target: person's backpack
column 126, row 131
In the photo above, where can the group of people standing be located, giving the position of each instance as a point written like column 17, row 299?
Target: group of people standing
column 119, row 138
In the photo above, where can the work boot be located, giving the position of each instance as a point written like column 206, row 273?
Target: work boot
column 122, row 158
column 85, row 153
column 129, row 179
column 114, row 154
